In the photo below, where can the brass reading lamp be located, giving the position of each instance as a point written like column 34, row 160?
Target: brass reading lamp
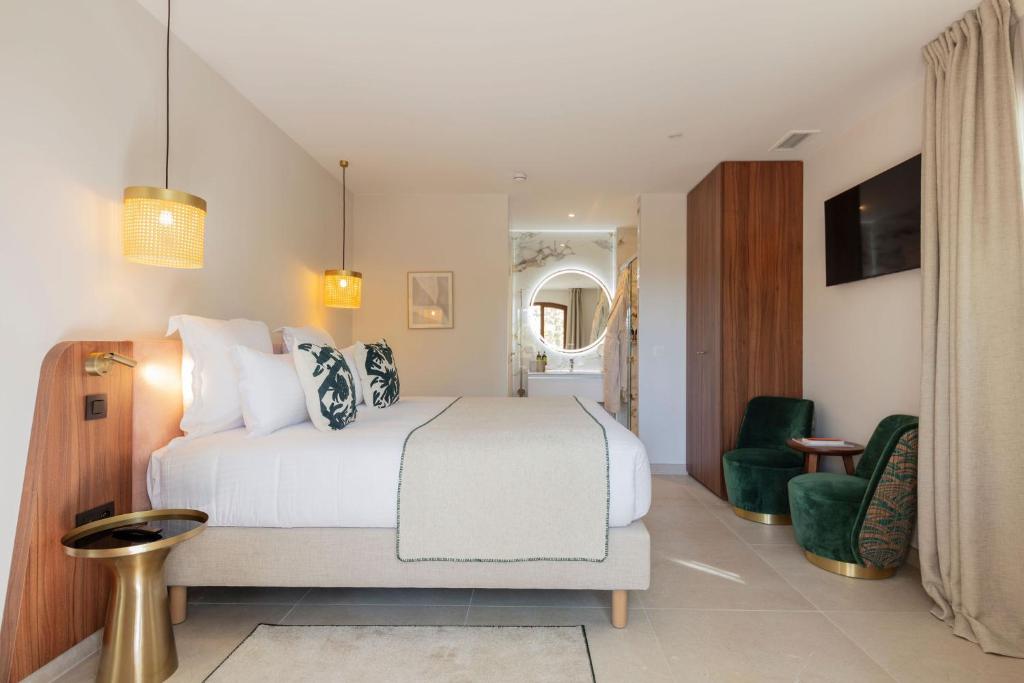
column 164, row 227
column 343, row 288
column 98, row 363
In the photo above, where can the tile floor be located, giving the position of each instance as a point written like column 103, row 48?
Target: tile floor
column 730, row 600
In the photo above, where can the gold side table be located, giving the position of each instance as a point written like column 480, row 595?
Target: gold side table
column 138, row 643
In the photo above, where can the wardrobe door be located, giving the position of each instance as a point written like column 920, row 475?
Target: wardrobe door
column 703, row 332
column 762, row 280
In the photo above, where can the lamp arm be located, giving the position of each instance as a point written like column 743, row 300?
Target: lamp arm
column 99, row 363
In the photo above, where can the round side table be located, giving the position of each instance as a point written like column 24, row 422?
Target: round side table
column 138, row 643
column 811, row 453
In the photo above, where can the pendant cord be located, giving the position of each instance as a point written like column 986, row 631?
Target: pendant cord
column 167, row 101
column 344, row 215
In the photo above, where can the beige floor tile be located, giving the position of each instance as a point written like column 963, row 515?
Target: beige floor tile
column 725, row 574
column 708, row 645
column 827, row 591
column 674, row 489
column 701, row 493
column 383, row 615
column 670, row 523
column 630, row 654
column 753, row 532
column 541, row 598
column 915, row 646
column 230, row 595
column 386, row 596
column 627, row 655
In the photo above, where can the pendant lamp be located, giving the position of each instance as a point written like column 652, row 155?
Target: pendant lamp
column 164, row 227
column 343, row 288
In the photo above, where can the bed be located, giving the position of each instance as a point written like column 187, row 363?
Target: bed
column 305, row 508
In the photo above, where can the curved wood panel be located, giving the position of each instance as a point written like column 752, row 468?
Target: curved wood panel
column 73, row 464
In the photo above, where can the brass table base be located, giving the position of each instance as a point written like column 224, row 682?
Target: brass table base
column 763, row 517
column 138, row 643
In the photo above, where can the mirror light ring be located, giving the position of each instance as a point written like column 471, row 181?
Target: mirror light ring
column 573, row 271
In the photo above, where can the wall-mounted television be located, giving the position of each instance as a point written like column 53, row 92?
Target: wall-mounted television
column 875, row 228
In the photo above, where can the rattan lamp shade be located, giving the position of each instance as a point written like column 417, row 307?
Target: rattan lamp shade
column 163, row 227
column 343, row 288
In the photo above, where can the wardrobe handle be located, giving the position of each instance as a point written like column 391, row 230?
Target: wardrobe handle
column 701, row 353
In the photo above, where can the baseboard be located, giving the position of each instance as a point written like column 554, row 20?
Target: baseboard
column 667, row 468
column 67, row 660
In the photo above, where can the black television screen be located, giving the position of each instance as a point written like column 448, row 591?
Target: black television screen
column 875, row 228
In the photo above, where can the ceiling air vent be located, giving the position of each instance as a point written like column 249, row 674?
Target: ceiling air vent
column 793, row 139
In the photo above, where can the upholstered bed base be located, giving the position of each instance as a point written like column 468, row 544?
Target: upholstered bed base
column 365, row 558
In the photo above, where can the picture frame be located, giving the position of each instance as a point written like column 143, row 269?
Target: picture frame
column 431, row 300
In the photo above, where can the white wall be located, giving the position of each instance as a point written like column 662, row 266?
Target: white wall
column 82, row 115
column 663, row 328
column 862, row 340
column 466, row 234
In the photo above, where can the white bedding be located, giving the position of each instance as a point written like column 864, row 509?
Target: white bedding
column 302, row 477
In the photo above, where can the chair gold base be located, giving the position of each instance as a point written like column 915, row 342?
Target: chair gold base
column 763, row 517
column 854, row 571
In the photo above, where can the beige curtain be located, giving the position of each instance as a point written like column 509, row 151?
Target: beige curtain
column 971, row 481
column 574, row 320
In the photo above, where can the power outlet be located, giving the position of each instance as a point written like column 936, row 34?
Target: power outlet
column 91, row 515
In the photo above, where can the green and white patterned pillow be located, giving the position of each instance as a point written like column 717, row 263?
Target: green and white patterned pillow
column 378, row 373
column 328, row 385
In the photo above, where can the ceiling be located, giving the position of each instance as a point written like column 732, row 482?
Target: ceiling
column 456, row 95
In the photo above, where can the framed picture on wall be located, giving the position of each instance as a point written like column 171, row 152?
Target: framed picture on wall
column 431, row 301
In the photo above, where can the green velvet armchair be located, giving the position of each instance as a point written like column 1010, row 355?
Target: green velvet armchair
column 860, row 525
column 758, row 469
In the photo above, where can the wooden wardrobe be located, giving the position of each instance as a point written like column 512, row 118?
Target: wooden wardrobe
column 744, row 303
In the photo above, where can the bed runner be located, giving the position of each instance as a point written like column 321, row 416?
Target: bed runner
column 505, row 480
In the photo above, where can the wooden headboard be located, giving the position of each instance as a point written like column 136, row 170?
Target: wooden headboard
column 157, row 407
column 74, row 464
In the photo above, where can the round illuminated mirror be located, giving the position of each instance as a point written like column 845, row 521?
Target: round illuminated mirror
column 569, row 311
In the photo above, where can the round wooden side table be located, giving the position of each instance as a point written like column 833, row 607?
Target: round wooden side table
column 811, row 453
column 138, row 643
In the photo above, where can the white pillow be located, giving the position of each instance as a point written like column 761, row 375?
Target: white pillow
column 269, row 390
column 215, row 405
column 328, row 385
column 293, row 336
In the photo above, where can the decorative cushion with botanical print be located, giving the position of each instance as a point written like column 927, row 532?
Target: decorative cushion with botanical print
column 328, row 385
column 378, row 373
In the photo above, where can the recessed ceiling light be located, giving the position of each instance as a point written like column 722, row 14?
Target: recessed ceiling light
column 572, row 215
column 519, row 177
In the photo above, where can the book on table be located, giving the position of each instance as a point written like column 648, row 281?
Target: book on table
column 823, row 442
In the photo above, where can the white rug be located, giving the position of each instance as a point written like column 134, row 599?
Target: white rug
column 398, row 654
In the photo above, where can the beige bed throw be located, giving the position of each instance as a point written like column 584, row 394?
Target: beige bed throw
column 505, row 480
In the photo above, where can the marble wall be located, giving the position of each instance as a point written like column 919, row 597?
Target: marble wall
column 535, row 256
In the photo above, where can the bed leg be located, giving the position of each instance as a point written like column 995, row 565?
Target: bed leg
column 620, row 609
column 178, row 599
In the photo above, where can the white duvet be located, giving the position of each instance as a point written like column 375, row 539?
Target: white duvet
column 302, row 477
